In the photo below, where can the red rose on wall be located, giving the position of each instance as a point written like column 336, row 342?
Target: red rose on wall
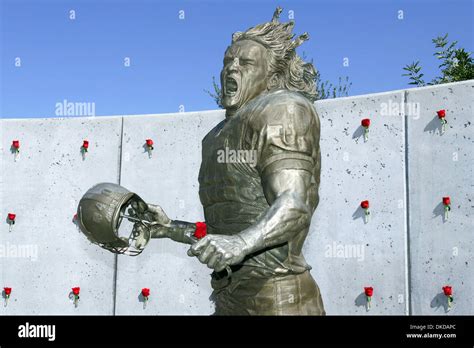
column 76, row 292
column 85, row 145
column 365, row 205
column 16, row 148
column 146, row 295
column 201, row 230
column 149, row 146
column 145, row 292
column 448, row 292
column 369, row 291
column 442, row 118
column 84, row 149
column 11, row 220
column 446, row 200
column 447, row 206
column 365, row 122
column 8, row 292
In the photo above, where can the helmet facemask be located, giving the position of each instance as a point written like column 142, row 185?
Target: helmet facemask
column 103, row 219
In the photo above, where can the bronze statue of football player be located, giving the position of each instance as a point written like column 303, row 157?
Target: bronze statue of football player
column 257, row 212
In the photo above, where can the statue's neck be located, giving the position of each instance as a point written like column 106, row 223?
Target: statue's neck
column 229, row 113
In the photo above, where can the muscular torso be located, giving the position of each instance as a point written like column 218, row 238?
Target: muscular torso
column 231, row 189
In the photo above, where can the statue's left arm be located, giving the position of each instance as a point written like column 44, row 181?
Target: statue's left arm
column 287, row 145
column 289, row 212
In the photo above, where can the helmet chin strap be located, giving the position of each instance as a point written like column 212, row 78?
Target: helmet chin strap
column 127, row 250
column 132, row 218
column 123, row 251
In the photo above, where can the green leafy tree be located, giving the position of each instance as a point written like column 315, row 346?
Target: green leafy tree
column 326, row 89
column 456, row 64
column 216, row 95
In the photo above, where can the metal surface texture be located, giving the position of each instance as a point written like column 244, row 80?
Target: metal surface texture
column 258, row 205
column 100, row 213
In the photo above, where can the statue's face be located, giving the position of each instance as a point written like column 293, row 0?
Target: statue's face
column 244, row 75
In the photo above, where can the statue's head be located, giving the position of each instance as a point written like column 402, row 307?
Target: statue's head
column 264, row 58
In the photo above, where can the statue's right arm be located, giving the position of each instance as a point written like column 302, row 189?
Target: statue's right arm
column 179, row 231
column 164, row 227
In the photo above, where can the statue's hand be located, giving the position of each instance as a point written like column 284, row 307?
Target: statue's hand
column 219, row 251
column 152, row 213
column 142, row 235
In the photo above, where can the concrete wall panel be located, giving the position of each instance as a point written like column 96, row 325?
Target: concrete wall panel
column 43, row 188
column 179, row 284
column 441, row 165
column 346, row 253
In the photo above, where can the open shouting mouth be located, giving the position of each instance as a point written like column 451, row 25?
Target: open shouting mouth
column 231, row 86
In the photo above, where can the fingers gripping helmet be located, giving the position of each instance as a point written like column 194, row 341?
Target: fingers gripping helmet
column 100, row 213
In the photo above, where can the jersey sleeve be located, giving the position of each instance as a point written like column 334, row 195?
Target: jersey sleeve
column 285, row 136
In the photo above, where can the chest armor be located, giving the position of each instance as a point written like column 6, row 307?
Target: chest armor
column 230, row 188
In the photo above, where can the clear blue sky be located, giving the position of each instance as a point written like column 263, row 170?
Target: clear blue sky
column 173, row 60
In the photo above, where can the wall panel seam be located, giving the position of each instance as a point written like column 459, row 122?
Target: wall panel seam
column 408, row 283
column 119, row 178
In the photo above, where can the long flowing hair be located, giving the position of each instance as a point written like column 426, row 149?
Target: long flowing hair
column 292, row 72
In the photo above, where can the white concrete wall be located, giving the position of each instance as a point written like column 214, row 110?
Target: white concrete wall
column 179, row 284
column 43, row 188
column 352, row 171
column 441, row 165
column 405, row 251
